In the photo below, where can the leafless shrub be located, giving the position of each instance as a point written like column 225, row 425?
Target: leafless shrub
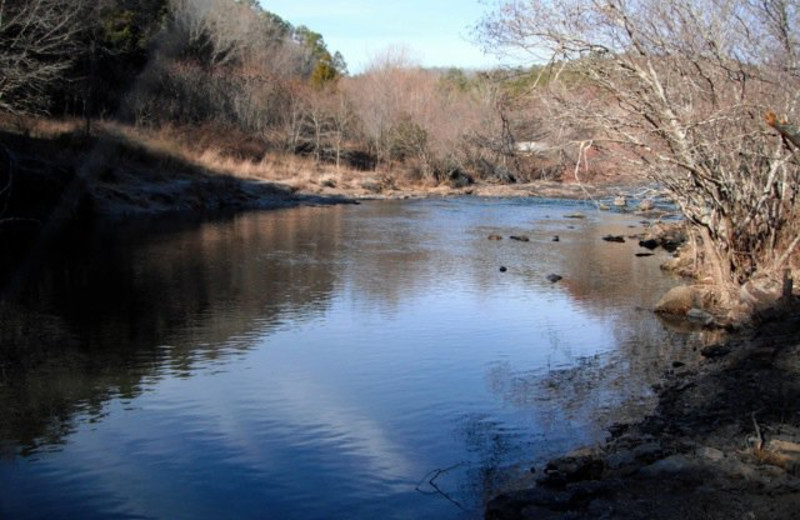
column 39, row 39
column 680, row 89
column 413, row 115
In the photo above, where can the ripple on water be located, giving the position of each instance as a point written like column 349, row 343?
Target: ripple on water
column 320, row 362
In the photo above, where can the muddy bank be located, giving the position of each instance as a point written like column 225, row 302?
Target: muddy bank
column 723, row 442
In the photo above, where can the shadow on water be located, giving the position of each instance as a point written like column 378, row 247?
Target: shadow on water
column 104, row 307
column 110, row 311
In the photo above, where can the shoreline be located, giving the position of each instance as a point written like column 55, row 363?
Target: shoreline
column 723, row 442
column 56, row 170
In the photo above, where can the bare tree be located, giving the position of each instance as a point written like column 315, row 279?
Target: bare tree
column 680, row 89
column 415, row 116
column 39, row 42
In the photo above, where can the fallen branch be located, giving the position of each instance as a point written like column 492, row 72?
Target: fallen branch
column 430, row 479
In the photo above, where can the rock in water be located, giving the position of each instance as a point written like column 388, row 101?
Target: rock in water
column 554, row 278
column 647, row 205
column 520, row 238
column 650, row 243
column 678, row 300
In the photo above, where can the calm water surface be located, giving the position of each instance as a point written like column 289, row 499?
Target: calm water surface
column 344, row 362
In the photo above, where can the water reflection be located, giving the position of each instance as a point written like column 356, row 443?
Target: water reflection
column 319, row 362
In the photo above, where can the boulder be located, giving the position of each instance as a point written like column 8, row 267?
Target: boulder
column 620, row 201
column 678, row 300
column 520, row 238
column 647, row 205
column 495, row 237
column 614, row 238
column 554, row 278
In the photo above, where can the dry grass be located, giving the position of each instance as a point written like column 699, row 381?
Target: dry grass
column 223, row 152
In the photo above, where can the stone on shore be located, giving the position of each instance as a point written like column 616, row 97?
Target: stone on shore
column 678, row 301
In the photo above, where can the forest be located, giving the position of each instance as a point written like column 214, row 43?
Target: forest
column 231, row 74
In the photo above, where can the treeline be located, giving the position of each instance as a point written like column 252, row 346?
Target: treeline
column 233, row 68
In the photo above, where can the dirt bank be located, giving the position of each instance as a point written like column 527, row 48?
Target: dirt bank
column 50, row 168
column 724, row 442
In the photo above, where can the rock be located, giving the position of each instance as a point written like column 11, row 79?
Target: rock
column 575, row 216
column 503, row 269
column 671, row 244
column 678, row 300
column 614, row 238
column 556, row 238
column 603, row 207
column 650, row 243
column 649, row 452
column 711, row 454
column 668, row 236
column 586, row 451
column 495, row 237
column 529, row 503
column 670, row 465
column 554, row 278
column 560, row 472
column 715, row 351
column 542, row 504
column 647, row 205
column 520, row 238
column 620, row 202
column 700, row 316
column 681, row 264
column 643, row 255
column 617, row 429
column 620, row 459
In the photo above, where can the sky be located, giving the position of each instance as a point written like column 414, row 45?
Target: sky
column 437, row 33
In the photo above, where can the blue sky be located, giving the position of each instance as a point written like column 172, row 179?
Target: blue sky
column 436, row 32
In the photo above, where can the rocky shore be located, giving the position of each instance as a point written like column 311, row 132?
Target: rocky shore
column 723, row 442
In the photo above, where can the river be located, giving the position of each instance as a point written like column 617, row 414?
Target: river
column 367, row 361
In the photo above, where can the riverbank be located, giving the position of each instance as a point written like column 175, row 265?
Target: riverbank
column 723, row 442
column 57, row 169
